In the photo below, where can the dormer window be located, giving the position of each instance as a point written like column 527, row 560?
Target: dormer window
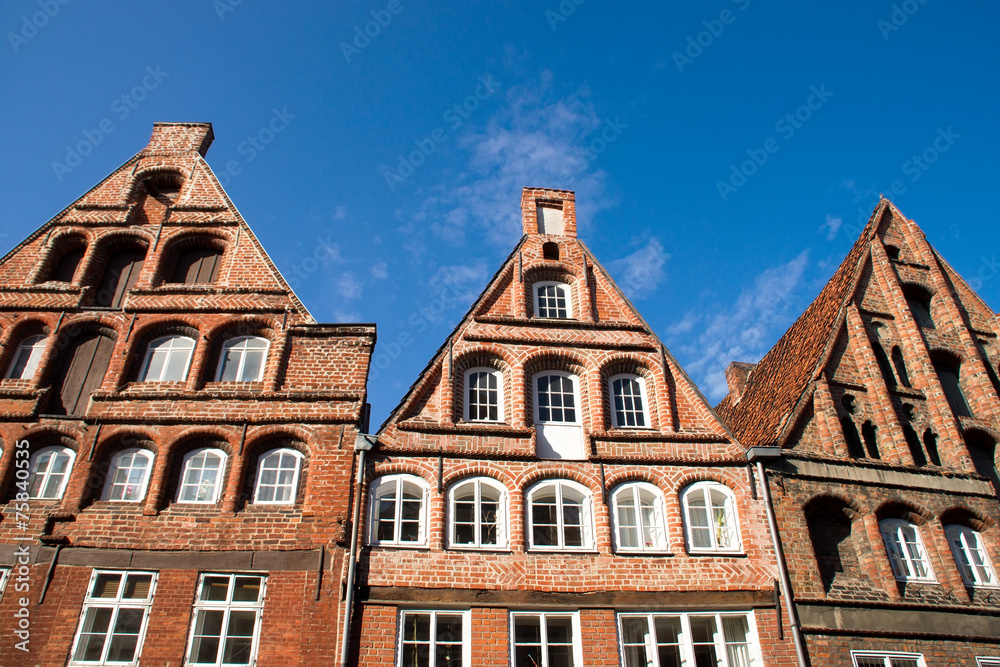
column 552, row 300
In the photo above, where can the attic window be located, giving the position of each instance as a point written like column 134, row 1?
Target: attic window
column 550, row 250
column 892, row 251
column 550, row 218
column 919, row 301
column 165, row 186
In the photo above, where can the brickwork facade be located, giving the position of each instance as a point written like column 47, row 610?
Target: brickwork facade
column 210, row 430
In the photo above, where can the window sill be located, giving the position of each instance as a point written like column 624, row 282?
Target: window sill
column 479, row 550
column 726, row 554
column 405, row 547
column 907, row 580
column 555, row 551
column 651, row 553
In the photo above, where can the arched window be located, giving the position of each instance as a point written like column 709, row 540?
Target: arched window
column 82, row 375
column 478, row 510
column 26, row 358
column 559, row 516
column 69, row 262
column 982, row 450
column 278, row 477
column 243, row 359
column 970, row 555
column 919, row 301
column 639, row 518
column 484, row 395
column 628, row 401
column 398, row 511
column 710, row 518
column 557, row 416
column 202, row 476
column 50, row 468
column 167, row 359
column 128, row 475
column 120, row 275
column 897, row 361
column 906, row 550
column 197, row 266
column 552, row 300
column 948, row 369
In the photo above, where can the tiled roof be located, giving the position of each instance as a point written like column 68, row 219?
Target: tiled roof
column 778, row 381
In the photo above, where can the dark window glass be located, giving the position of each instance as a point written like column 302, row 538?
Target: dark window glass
column 65, row 270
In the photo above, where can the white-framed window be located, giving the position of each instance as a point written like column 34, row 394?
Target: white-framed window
column 970, row 554
column 201, row 476
column 114, row 618
column 398, row 511
column 710, row 520
column 243, row 359
column 128, row 475
column 559, row 516
column 226, row 622
column 278, row 477
column 628, row 401
column 906, row 550
column 484, row 395
column 878, row 659
column 672, row 640
column 557, row 416
column 167, row 359
column 434, row 639
column 639, row 518
column 26, row 358
column 983, row 661
column 4, row 575
column 552, row 300
column 50, row 467
column 545, row 639
column 478, row 512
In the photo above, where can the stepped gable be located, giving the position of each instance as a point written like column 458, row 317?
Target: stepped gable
column 189, row 200
column 500, row 330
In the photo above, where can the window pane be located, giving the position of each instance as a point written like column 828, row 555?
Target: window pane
column 106, row 586
column 668, row 630
column 137, row 586
column 246, row 589
column 230, row 366
column 252, row 365
column 93, row 633
column 239, row 638
column 207, row 635
column 215, row 589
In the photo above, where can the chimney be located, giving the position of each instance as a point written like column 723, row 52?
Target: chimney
column 548, row 212
column 737, row 375
column 170, row 138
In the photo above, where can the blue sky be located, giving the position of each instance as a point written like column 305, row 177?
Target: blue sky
column 645, row 110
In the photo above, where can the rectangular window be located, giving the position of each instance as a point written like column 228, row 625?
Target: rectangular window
column 676, row 640
column 114, row 617
column 868, row 659
column 546, row 640
column 434, row 639
column 226, row 621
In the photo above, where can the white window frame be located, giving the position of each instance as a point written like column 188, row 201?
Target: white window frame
column 657, row 522
column 987, row 661
column 501, row 519
column 116, row 604
column 216, row 489
column 379, row 489
column 227, row 606
column 643, row 397
column 4, row 576
column 902, row 561
column 465, row 395
column 685, row 643
column 464, row 614
column 886, row 657
column 586, row 516
column 110, row 483
column 173, row 347
column 48, row 472
column 966, row 543
column 730, row 513
column 236, row 342
column 567, row 294
column 576, row 397
column 34, row 348
column 542, row 617
column 281, row 452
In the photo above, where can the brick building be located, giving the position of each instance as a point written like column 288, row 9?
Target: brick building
column 883, row 400
column 553, row 490
column 177, row 432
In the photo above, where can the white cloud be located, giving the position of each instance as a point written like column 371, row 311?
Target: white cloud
column 640, row 273
column 380, row 271
column 461, row 282
column 339, row 213
column 349, row 286
column 832, row 226
column 742, row 331
column 340, row 315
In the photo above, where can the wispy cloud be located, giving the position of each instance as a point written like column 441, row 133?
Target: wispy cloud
column 380, row 271
column 349, row 286
column 464, row 281
column 640, row 273
column 339, row 213
column 832, row 226
column 742, row 331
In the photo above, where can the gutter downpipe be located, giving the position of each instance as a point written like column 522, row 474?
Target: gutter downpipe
column 363, row 445
column 758, row 455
